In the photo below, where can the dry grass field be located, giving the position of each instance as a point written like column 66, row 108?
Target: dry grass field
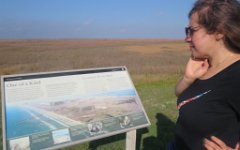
column 154, row 66
column 140, row 56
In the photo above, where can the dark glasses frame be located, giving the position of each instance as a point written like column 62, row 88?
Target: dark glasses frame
column 190, row 30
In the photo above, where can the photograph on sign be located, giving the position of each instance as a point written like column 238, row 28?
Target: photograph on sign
column 52, row 110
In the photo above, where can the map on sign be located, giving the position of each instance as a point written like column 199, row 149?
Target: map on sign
column 59, row 109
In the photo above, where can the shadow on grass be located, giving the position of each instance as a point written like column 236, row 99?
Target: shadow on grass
column 165, row 133
column 95, row 144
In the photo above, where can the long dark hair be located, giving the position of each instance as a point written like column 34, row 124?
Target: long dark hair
column 220, row 16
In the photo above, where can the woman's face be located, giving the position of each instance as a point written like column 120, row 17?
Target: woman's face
column 201, row 43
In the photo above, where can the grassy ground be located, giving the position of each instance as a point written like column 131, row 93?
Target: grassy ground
column 154, row 65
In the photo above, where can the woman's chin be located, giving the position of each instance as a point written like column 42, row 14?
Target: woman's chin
column 199, row 58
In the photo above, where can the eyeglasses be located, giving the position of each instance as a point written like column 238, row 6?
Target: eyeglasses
column 190, row 30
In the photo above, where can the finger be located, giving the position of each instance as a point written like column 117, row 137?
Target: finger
column 219, row 142
column 237, row 146
column 205, row 64
column 210, row 145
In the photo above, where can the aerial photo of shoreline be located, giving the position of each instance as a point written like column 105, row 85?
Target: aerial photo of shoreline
column 42, row 117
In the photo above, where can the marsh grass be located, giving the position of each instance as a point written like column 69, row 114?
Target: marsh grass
column 140, row 56
column 154, row 65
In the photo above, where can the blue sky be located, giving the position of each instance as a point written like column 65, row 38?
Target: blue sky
column 54, row 19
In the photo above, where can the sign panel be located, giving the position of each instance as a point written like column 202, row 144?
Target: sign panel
column 59, row 109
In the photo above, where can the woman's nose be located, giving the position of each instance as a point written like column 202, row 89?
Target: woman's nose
column 188, row 39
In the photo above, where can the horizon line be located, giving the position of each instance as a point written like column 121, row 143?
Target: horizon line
column 23, row 39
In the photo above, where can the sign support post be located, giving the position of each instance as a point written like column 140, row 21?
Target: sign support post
column 131, row 140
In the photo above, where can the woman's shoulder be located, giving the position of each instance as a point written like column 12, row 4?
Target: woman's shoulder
column 230, row 76
column 236, row 64
column 233, row 69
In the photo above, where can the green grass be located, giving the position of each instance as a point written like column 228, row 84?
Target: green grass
column 160, row 104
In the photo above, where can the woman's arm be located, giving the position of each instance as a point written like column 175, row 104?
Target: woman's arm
column 194, row 70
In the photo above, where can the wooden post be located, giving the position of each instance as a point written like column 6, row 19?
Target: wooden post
column 131, row 140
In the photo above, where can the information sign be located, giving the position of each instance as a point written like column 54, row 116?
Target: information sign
column 58, row 109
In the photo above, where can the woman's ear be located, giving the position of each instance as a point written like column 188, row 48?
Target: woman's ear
column 219, row 36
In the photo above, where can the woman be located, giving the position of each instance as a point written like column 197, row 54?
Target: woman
column 208, row 94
